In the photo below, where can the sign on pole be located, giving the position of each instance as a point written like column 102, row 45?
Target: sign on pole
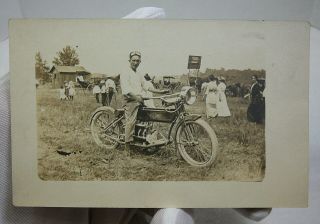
column 194, row 62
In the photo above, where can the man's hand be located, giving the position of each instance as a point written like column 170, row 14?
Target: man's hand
column 164, row 91
column 133, row 97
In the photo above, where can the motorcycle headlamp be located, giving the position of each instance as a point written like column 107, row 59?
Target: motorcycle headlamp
column 188, row 94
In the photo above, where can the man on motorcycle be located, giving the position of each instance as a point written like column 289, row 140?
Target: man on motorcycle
column 133, row 86
column 131, row 83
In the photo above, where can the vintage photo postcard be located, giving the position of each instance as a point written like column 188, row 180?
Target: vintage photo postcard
column 167, row 113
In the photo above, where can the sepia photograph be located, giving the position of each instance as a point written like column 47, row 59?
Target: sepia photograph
column 161, row 113
column 151, row 107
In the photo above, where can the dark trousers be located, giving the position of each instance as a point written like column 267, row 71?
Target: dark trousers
column 97, row 97
column 104, row 99
column 110, row 95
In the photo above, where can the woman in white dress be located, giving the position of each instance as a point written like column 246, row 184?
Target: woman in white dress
column 222, row 105
column 211, row 97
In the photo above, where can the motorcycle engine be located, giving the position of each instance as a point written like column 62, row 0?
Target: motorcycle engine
column 146, row 134
column 142, row 130
column 152, row 137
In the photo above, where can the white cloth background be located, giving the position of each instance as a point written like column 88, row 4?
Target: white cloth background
column 10, row 214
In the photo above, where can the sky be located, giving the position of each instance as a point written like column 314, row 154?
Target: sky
column 104, row 46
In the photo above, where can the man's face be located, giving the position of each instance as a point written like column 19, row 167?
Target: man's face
column 135, row 62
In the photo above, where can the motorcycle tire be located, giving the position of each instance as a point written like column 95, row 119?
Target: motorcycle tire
column 192, row 155
column 101, row 138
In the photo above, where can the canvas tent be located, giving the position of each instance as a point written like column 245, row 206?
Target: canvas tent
column 60, row 74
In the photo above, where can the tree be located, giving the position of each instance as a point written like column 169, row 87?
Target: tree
column 68, row 56
column 41, row 68
column 38, row 59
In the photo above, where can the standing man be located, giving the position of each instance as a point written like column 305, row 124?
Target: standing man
column 110, row 89
column 96, row 91
column 103, row 92
column 131, row 82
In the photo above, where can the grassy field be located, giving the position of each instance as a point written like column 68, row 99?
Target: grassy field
column 63, row 125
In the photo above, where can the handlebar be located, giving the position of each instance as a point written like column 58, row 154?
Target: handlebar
column 187, row 96
column 169, row 100
column 164, row 96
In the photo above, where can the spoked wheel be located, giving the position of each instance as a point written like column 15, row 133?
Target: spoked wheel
column 197, row 143
column 105, row 131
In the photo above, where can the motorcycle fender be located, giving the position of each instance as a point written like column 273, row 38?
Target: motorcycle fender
column 188, row 117
column 98, row 110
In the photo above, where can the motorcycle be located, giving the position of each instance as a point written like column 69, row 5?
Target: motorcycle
column 194, row 139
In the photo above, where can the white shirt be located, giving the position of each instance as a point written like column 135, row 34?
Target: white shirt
column 110, row 84
column 96, row 89
column 221, row 87
column 131, row 82
column 211, row 87
column 103, row 88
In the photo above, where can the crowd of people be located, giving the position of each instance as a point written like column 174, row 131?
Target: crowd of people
column 216, row 100
column 104, row 91
column 215, row 97
column 67, row 91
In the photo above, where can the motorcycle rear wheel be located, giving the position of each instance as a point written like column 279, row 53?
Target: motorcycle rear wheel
column 102, row 136
column 197, row 143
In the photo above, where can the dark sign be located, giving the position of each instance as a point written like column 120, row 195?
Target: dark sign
column 194, row 62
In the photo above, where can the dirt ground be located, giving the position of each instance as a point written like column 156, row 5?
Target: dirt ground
column 64, row 126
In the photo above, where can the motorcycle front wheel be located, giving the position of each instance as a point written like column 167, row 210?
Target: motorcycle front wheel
column 104, row 130
column 197, row 143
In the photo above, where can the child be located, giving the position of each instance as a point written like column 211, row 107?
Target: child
column 72, row 91
column 66, row 89
column 62, row 93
